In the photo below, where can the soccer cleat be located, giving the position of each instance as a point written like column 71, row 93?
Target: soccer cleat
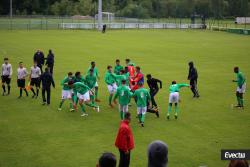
column 72, row 110
column 157, row 114
column 142, row 124
column 59, row 109
column 175, row 116
column 237, row 106
column 33, row 96
column 44, row 103
column 168, row 117
column 84, row 114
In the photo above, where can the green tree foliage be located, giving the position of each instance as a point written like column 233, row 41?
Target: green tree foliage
column 131, row 8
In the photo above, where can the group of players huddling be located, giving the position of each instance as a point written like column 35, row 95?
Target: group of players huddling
column 123, row 83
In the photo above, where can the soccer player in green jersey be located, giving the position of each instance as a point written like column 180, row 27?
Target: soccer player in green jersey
column 118, row 67
column 241, row 87
column 124, row 95
column 81, row 91
column 67, row 91
column 96, row 73
column 90, row 81
column 174, row 97
column 142, row 99
column 79, row 77
column 110, row 80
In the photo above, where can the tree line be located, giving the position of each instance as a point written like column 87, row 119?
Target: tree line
column 130, row 8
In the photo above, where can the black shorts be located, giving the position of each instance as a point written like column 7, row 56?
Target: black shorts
column 35, row 81
column 5, row 78
column 21, row 83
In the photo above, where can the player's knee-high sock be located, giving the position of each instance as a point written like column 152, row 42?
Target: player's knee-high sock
column 70, row 105
column 176, row 109
column 96, row 92
column 241, row 99
column 83, row 108
column 61, row 103
column 3, row 86
column 142, row 118
column 26, row 92
column 110, row 99
column 169, row 108
column 139, row 116
column 121, row 115
column 21, row 92
column 8, row 89
column 37, row 91
column 91, row 105
column 33, row 91
column 92, row 98
column 238, row 98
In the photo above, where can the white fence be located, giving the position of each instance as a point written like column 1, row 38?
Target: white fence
column 132, row 26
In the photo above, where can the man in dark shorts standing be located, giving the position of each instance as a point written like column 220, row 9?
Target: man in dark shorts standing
column 35, row 79
column 21, row 75
column 6, row 75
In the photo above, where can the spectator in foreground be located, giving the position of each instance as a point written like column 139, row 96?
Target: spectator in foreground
column 157, row 154
column 50, row 61
column 238, row 163
column 125, row 141
column 107, row 160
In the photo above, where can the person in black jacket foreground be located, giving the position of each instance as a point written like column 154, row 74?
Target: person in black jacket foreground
column 50, row 61
column 192, row 77
column 47, row 80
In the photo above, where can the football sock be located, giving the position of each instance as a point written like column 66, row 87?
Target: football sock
column 91, row 105
column 238, row 100
column 83, row 108
column 110, row 99
column 33, row 91
column 8, row 89
column 176, row 109
column 61, row 103
column 3, row 86
column 37, row 91
column 142, row 118
column 241, row 102
column 121, row 115
column 70, row 105
column 96, row 92
column 169, row 108
column 139, row 116
column 26, row 92
column 92, row 98
column 21, row 92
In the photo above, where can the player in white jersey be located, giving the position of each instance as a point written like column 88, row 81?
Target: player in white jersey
column 35, row 79
column 21, row 75
column 6, row 74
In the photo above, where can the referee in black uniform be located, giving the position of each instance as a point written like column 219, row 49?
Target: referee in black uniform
column 193, row 77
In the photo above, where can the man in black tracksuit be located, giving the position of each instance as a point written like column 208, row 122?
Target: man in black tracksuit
column 39, row 58
column 154, row 88
column 47, row 80
column 50, row 61
column 192, row 77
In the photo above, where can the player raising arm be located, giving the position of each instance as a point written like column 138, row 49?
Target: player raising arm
column 174, row 97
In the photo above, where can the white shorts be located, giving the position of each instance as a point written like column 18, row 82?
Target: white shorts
column 84, row 97
column 242, row 89
column 96, row 84
column 141, row 110
column 123, row 108
column 112, row 88
column 67, row 94
column 174, row 97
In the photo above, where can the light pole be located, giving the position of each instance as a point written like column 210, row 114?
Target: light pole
column 100, row 14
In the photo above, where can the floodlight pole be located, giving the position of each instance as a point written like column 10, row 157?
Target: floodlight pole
column 100, row 14
column 11, row 9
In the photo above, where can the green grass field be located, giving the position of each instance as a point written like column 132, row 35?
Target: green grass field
column 35, row 135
